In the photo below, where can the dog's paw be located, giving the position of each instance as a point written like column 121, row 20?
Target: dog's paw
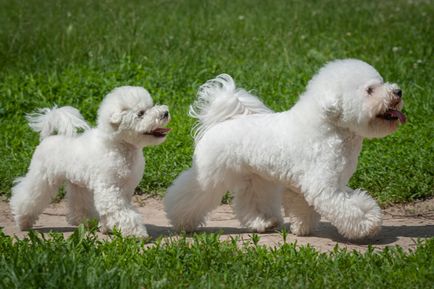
column 357, row 216
column 301, row 229
column 186, row 227
column 25, row 222
column 188, row 223
column 137, row 231
column 140, row 233
column 367, row 224
column 261, row 225
column 304, row 225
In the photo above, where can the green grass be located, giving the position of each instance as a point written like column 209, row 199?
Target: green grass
column 74, row 52
column 83, row 261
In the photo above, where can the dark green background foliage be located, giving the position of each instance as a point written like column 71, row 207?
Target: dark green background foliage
column 83, row 261
column 74, row 52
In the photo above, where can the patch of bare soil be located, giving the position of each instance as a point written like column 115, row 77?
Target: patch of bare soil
column 403, row 225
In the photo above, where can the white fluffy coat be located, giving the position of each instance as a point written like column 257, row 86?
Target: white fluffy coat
column 307, row 153
column 100, row 167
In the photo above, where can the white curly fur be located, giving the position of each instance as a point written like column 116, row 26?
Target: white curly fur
column 100, row 167
column 219, row 100
column 65, row 120
column 307, row 153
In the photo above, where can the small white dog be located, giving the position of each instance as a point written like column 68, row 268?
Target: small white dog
column 100, row 167
column 307, row 153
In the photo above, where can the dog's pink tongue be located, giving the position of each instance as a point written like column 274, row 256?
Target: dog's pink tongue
column 162, row 130
column 399, row 115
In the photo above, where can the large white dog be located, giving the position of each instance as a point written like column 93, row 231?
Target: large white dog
column 308, row 153
column 100, row 167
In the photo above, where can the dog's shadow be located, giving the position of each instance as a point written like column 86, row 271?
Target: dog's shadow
column 387, row 235
column 47, row 230
column 155, row 231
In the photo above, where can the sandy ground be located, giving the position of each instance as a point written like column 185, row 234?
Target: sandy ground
column 403, row 225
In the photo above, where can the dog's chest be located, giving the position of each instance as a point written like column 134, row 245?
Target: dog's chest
column 128, row 166
column 350, row 153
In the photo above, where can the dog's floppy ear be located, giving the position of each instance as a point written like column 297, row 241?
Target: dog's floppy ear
column 331, row 104
column 115, row 119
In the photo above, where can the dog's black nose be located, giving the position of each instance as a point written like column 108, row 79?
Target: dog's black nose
column 398, row 92
column 165, row 114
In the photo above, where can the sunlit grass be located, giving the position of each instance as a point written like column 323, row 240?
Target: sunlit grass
column 74, row 52
column 84, row 261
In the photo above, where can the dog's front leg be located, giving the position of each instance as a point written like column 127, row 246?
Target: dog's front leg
column 353, row 212
column 115, row 210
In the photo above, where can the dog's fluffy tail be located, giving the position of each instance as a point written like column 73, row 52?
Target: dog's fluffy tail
column 219, row 100
column 64, row 120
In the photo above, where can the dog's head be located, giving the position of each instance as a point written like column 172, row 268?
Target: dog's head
column 128, row 113
column 353, row 95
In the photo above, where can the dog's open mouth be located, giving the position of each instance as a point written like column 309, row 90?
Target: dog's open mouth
column 392, row 115
column 158, row 132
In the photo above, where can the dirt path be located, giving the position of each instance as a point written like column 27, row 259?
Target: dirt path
column 402, row 225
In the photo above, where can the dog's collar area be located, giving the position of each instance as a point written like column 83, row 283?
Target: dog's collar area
column 158, row 132
column 392, row 115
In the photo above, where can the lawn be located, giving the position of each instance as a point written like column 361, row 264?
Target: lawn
column 75, row 52
column 83, row 261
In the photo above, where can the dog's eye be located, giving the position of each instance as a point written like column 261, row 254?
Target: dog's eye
column 369, row 90
column 141, row 113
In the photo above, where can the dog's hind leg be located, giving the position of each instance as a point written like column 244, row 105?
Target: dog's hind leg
column 188, row 200
column 30, row 196
column 80, row 204
column 257, row 204
column 303, row 217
